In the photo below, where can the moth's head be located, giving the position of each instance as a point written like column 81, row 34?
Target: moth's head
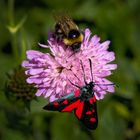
column 88, row 87
column 87, row 91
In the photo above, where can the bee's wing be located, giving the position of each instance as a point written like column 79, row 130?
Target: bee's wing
column 70, row 22
column 65, row 23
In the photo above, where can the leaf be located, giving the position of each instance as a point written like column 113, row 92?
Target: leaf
column 14, row 29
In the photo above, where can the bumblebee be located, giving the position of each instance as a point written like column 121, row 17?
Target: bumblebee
column 67, row 31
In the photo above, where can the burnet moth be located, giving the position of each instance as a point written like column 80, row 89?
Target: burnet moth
column 82, row 101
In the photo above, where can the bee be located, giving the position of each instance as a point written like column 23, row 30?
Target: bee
column 67, row 31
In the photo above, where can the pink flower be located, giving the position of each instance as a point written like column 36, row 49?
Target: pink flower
column 52, row 73
column 100, row 57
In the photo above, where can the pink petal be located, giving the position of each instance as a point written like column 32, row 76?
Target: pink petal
column 111, row 89
column 87, row 35
column 94, row 40
column 32, row 54
column 110, row 67
column 48, row 93
column 35, row 71
column 25, row 63
column 34, row 80
column 29, row 81
column 86, row 38
column 52, row 98
column 40, row 92
column 104, row 45
column 43, row 46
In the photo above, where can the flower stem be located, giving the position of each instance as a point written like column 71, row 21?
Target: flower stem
column 11, row 11
column 23, row 45
column 14, row 47
column 12, row 24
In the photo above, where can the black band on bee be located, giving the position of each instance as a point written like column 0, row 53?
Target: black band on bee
column 73, row 34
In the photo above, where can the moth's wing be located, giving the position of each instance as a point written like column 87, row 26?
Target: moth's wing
column 86, row 112
column 65, row 104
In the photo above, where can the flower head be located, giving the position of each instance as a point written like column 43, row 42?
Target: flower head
column 18, row 88
column 52, row 72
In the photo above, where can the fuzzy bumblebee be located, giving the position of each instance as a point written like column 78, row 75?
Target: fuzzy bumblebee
column 68, row 32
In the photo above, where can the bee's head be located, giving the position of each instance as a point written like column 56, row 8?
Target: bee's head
column 73, row 34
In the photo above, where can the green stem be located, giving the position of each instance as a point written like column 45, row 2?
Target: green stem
column 23, row 45
column 11, row 11
column 14, row 47
column 12, row 24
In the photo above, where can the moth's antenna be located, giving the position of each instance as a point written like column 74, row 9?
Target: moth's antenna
column 76, row 76
column 83, row 72
column 74, row 84
column 91, row 69
column 106, row 84
column 92, row 76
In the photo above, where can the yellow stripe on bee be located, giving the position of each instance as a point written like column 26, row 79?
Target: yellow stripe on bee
column 70, row 42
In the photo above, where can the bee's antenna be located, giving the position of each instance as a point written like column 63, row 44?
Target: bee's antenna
column 83, row 72
column 91, row 69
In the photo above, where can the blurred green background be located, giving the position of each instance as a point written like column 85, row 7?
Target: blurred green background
column 25, row 23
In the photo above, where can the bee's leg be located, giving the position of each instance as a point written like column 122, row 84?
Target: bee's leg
column 59, row 37
column 76, row 47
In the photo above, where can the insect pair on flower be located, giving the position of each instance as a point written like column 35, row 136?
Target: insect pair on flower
column 82, row 101
column 58, row 74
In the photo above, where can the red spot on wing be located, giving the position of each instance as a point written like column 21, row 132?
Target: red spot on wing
column 77, row 92
column 71, row 106
column 88, row 112
column 65, row 101
column 92, row 100
column 92, row 120
column 55, row 103
column 79, row 110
